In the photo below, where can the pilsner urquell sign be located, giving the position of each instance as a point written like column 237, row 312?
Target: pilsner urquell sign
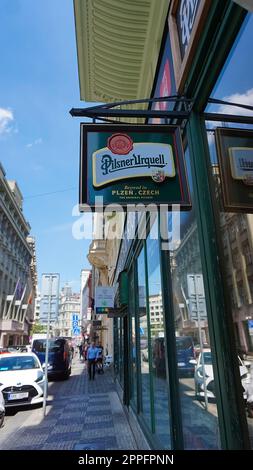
column 132, row 165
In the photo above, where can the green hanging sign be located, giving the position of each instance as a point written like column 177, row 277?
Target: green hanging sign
column 130, row 165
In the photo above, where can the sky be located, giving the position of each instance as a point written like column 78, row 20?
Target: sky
column 235, row 83
column 39, row 140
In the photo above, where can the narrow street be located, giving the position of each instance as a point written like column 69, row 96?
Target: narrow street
column 81, row 415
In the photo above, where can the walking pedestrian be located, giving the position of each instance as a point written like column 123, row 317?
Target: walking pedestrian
column 86, row 347
column 100, row 359
column 92, row 355
column 80, row 351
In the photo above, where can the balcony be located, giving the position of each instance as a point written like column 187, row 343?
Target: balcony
column 97, row 254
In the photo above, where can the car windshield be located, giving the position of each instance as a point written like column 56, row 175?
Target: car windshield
column 183, row 343
column 18, row 363
column 55, row 345
column 207, row 358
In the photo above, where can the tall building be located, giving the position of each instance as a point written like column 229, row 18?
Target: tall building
column 156, row 312
column 18, row 273
column 51, row 307
column 237, row 238
column 68, row 322
column 85, row 297
column 32, row 284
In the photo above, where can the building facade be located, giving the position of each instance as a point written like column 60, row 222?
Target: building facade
column 37, row 307
column 86, row 302
column 204, row 281
column 18, row 273
column 68, row 322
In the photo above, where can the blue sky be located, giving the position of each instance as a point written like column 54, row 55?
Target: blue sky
column 39, row 141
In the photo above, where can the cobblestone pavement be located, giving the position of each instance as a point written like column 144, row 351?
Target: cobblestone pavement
column 81, row 415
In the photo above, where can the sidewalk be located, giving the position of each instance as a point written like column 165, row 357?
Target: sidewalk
column 81, row 415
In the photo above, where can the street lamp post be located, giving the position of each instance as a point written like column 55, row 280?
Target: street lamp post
column 51, row 294
column 47, row 344
column 200, row 341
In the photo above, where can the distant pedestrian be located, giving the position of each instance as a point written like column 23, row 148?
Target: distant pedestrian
column 80, row 347
column 92, row 355
column 85, row 349
column 100, row 359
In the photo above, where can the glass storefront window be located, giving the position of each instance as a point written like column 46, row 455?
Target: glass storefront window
column 158, row 351
column 235, row 84
column 194, row 357
column 116, row 346
column 121, row 352
column 142, row 325
column 133, row 339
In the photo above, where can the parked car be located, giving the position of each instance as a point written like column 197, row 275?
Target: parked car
column 185, row 354
column 204, row 367
column 21, row 379
column 198, row 347
column 59, row 356
column 19, row 348
column 2, row 409
column 144, row 354
column 4, row 351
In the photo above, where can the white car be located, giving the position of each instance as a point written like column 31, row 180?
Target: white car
column 21, row 379
column 2, row 409
column 204, row 364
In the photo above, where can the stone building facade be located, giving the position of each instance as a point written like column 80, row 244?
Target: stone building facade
column 18, row 272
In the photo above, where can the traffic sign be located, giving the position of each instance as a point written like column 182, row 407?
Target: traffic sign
column 197, row 301
column 102, row 309
column 75, row 325
column 104, row 297
column 76, row 331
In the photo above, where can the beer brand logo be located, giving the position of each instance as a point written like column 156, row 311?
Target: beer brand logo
column 158, row 176
column 248, row 180
column 241, row 164
column 120, row 144
column 124, row 159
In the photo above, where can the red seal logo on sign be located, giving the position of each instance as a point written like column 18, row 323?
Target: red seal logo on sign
column 121, row 144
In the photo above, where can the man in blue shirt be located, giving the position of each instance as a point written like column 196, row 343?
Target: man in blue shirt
column 92, row 355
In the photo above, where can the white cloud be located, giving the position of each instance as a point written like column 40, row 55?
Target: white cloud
column 6, row 117
column 35, row 142
column 240, row 98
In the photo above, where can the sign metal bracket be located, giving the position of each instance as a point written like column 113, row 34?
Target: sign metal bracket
column 181, row 112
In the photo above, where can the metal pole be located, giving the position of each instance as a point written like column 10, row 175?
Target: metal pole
column 47, row 345
column 200, row 342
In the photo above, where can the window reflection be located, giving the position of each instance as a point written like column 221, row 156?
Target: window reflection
column 160, row 383
column 196, row 381
column 121, row 351
column 143, row 332
column 133, row 342
column 236, row 231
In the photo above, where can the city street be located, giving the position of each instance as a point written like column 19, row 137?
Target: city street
column 126, row 229
column 80, row 415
